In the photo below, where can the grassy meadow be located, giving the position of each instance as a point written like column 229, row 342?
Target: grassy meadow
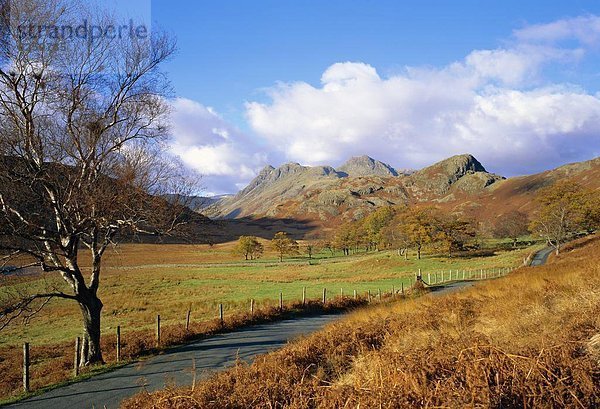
column 530, row 339
column 140, row 281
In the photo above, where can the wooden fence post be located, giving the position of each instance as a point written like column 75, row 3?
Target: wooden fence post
column 379, row 294
column 118, row 343
column 221, row 313
column 158, row 330
column 342, row 293
column 324, row 296
column 187, row 320
column 252, row 306
column 354, row 294
column 281, row 301
column 402, row 288
column 429, row 278
column 26, row 367
column 303, row 296
column 393, row 292
column 369, row 295
column 76, row 360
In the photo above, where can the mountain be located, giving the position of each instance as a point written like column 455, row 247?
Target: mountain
column 328, row 196
column 366, row 166
column 271, row 186
column 325, row 197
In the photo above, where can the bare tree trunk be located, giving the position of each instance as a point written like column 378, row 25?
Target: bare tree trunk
column 91, row 307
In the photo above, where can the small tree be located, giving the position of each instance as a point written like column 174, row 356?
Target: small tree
column 512, row 225
column 345, row 238
column 419, row 226
column 562, row 212
column 453, row 232
column 310, row 248
column 373, row 225
column 392, row 236
column 249, row 247
column 284, row 245
column 326, row 244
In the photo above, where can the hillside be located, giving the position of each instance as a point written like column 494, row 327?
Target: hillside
column 327, row 197
column 487, row 346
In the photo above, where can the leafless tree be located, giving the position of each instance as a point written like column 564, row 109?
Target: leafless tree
column 81, row 131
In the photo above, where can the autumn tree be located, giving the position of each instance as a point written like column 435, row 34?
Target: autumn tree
column 374, row 223
column 419, row 226
column 249, row 247
column 513, row 225
column 564, row 209
column 453, row 232
column 80, row 162
column 345, row 238
column 395, row 237
column 326, row 244
column 284, row 245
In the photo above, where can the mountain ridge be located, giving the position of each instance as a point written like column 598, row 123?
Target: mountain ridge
column 327, row 197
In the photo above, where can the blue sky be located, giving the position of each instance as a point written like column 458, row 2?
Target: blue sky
column 407, row 82
column 230, row 50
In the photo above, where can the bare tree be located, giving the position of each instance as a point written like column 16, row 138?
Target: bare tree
column 561, row 213
column 81, row 124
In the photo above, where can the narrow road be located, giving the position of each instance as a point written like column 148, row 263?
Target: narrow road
column 210, row 355
column 541, row 256
column 175, row 366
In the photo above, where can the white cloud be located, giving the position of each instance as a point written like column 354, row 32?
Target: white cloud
column 494, row 104
column 585, row 29
column 205, row 142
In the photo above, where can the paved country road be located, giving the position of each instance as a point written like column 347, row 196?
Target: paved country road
column 541, row 256
column 174, row 366
column 211, row 354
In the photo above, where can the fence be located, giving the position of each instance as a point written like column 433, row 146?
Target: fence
column 433, row 279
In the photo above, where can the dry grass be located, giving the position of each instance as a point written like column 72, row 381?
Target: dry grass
column 526, row 340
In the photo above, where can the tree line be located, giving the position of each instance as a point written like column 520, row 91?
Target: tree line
column 565, row 209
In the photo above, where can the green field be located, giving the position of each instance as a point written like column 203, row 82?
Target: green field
column 142, row 280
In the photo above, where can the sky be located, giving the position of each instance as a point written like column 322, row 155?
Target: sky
column 515, row 83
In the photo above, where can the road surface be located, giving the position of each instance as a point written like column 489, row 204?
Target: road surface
column 210, row 355
column 541, row 256
column 174, row 366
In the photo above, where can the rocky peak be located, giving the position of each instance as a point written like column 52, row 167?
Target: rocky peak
column 366, row 166
column 440, row 176
column 257, row 181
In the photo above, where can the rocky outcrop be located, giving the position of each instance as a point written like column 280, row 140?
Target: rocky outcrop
column 366, row 166
column 438, row 178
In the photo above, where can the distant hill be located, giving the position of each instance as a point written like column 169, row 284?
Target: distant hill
column 327, row 197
